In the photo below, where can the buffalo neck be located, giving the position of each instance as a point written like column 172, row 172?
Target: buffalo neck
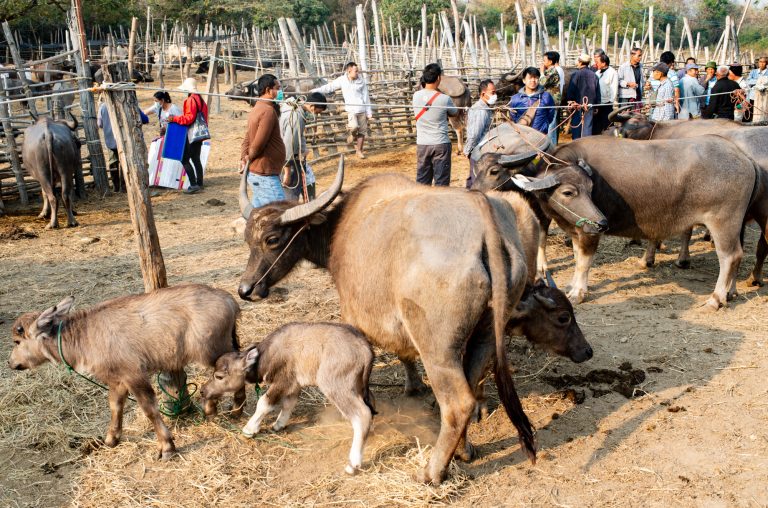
column 71, row 332
column 320, row 236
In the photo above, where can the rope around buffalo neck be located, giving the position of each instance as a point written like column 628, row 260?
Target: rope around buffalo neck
column 580, row 221
column 178, row 405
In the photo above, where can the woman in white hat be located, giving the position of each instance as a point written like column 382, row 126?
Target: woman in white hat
column 193, row 105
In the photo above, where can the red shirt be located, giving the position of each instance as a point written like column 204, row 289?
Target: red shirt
column 192, row 105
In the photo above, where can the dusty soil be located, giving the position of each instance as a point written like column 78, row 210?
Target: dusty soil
column 670, row 411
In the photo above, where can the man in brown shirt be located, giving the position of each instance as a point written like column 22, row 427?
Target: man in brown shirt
column 263, row 151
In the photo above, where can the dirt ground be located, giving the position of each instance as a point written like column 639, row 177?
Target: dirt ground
column 670, row 411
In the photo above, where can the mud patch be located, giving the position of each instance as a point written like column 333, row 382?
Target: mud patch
column 15, row 232
column 603, row 381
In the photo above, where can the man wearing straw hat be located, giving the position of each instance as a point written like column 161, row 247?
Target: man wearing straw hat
column 193, row 105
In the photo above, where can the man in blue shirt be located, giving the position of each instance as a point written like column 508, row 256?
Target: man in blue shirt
column 532, row 95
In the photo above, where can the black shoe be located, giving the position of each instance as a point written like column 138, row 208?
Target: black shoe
column 192, row 189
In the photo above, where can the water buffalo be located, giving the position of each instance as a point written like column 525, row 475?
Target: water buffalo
column 509, row 84
column 421, row 296
column 750, row 139
column 51, row 154
column 715, row 184
column 123, row 341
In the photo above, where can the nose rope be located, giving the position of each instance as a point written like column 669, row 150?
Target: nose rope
column 581, row 221
column 302, row 228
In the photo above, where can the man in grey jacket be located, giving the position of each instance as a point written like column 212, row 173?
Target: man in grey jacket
column 479, row 122
column 631, row 79
column 298, row 179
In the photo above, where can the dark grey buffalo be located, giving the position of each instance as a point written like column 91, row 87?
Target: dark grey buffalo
column 51, row 155
column 752, row 140
column 422, row 272
column 642, row 196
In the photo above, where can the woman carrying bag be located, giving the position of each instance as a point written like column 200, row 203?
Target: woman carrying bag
column 195, row 116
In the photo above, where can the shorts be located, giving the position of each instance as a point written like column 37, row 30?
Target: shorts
column 266, row 189
column 357, row 124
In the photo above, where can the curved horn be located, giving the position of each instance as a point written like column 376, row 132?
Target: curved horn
column 511, row 161
column 550, row 280
column 245, row 203
column 536, row 184
column 72, row 122
column 300, row 212
column 616, row 115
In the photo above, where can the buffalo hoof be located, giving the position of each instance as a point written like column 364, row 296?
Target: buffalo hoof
column 43, row 215
column 52, row 226
column 713, row 304
column 424, row 476
column 576, row 295
column 73, row 224
column 753, row 281
column 645, row 263
column 167, row 454
column 350, row 470
column 683, row 264
column 277, row 427
column 111, row 441
column 466, row 454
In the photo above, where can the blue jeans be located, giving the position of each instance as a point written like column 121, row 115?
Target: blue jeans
column 266, row 189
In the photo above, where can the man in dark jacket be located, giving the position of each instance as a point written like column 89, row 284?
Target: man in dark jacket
column 529, row 96
column 720, row 103
column 583, row 86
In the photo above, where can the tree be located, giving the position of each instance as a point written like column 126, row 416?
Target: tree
column 408, row 12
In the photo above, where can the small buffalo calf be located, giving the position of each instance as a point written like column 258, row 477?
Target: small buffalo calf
column 335, row 358
column 122, row 341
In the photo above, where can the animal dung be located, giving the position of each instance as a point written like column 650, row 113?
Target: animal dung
column 603, row 381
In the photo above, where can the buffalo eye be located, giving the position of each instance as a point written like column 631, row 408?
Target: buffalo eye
column 219, row 376
column 569, row 193
column 564, row 318
column 20, row 330
column 272, row 241
column 494, row 171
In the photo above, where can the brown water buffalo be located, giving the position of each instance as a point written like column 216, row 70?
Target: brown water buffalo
column 421, row 272
column 51, row 154
column 123, row 341
column 713, row 184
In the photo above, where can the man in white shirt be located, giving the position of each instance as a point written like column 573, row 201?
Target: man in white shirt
column 608, row 79
column 357, row 103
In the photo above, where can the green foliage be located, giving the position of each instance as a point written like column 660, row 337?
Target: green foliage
column 408, row 12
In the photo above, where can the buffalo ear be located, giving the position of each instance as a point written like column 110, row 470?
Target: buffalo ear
column 251, row 357
column 584, row 166
column 49, row 316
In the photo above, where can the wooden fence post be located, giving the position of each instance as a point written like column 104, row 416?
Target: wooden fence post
column 10, row 143
column 123, row 107
column 19, row 63
column 84, row 81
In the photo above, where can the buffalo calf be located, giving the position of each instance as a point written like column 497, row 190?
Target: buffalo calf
column 122, row 341
column 335, row 358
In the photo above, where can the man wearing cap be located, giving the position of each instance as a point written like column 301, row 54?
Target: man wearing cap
column 720, row 103
column 583, row 88
column 736, row 73
column 708, row 81
column 631, row 79
column 681, row 73
column 690, row 91
column 193, row 105
column 262, row 152
column 664, row 103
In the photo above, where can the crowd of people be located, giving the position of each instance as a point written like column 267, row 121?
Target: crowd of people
column 274, row 149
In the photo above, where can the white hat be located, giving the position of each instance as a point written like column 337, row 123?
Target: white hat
column 584, row 58
column 189, row 85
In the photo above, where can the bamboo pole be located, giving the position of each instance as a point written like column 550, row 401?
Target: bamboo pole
column 132, row 45
column 10, row 143
column 362, row 41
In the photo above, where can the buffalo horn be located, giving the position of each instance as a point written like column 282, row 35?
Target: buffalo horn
column 617, row 115
column 550, row 280
column 245, row 204
column 305, row 210
column 71, row 122
column 535, row 184
column 511, row 161
column 548, row 303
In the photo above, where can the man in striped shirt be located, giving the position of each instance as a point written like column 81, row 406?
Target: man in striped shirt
column 664, row 104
